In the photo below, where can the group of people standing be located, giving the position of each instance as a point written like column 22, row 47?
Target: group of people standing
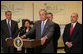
column 45, row 30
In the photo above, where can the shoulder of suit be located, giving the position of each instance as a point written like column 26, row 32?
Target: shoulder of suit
column 38, row 21
column 70, row 23
column 56, row 24
column 2, row 21
column 51, row 22
column 13, row 21
column 67, row 24
column 79, row 25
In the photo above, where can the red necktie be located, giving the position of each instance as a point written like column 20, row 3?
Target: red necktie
column 71, row 29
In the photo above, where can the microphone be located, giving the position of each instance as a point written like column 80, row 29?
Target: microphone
column 20, row 30
column 23, row 28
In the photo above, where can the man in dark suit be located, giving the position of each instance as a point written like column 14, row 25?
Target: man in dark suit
column 72, row 35
column 56, row 33
column 8, row 30
column 44, row 30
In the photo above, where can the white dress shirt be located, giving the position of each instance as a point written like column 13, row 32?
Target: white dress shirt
column 74, row 24
column 9, row 22
column 44, row 25
column 44, row 22
column 41, row 25
column 27, row 30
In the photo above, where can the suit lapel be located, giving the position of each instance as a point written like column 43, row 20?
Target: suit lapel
column 39, row 27
column 12, row 26
column 6, row 27
column 74, row 30
column 45, row 28
column 69, row 32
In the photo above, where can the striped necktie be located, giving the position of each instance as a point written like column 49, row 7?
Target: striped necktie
column 9, row 28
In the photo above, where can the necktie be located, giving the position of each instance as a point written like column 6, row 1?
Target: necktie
column 71, row 29
column 9, row 28
column 42, row 27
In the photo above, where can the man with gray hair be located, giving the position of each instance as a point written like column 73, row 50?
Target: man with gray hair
column 44, row 30
column 72, row 35
column 9, row 28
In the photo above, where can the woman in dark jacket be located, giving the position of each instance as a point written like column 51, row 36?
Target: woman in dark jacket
column 23, row 30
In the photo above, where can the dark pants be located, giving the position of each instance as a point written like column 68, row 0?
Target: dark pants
column 9, row 49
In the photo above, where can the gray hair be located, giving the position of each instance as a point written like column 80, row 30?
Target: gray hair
column 43, row 10
column 7, row 12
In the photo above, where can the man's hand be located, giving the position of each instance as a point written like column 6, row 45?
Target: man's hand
column 43, row 39
column 69, row 44
column 23, row 36
column 8, row 38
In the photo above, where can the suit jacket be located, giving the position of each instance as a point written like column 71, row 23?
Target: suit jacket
column 5, row 32
column 48, row 30
column 23, row 31
column 56, row 36
column 75, row 38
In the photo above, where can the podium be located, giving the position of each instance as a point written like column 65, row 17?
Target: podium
column 27, row 43
column 31, row 43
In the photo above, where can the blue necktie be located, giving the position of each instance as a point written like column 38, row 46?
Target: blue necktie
column 42, row 27
column 10, row 33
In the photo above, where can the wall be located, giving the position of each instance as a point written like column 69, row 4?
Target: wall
column 30, row 9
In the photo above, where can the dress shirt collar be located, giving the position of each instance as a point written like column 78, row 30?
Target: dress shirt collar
column 74, row 24
column 44, row 21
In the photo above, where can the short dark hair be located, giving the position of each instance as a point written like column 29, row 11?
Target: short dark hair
column 28, row 21
column 7, row 12
column 50, row 14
